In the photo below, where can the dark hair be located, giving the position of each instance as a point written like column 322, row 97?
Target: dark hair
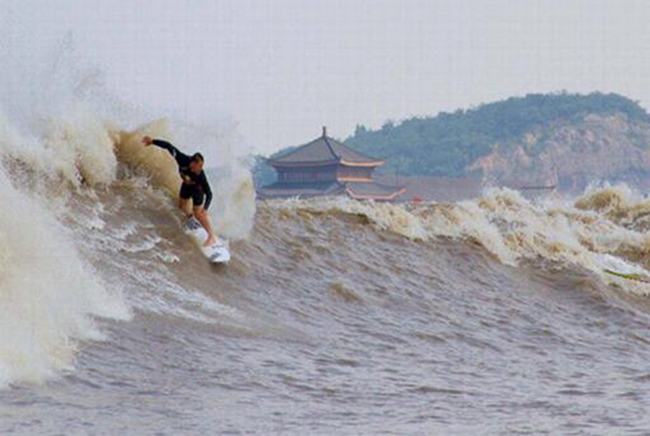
column 197, row 157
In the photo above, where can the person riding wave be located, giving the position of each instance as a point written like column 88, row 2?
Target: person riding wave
column 195, row 185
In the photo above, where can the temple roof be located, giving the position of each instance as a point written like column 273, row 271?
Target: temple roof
column 324, row 151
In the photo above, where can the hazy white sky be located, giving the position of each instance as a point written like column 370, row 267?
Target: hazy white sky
column 283, row 68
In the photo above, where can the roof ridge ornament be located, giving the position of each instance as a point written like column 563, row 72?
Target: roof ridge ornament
column 329, row 146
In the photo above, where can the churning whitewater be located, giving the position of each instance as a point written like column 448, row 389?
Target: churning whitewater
column 333, row 316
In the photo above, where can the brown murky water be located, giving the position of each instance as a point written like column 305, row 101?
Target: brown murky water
column 478, row 317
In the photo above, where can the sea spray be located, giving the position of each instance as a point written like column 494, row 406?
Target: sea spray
column 513, row 228
column 233, row 209
column 67, row 149
column 51, row 140
column 81, row 148
column 48, row 294
column 234, row 201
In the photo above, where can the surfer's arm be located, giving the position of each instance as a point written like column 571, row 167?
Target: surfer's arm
column 181, row 158
column 166, row 145
column 206, row 189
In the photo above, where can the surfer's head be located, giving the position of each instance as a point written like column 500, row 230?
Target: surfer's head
column 196, row 164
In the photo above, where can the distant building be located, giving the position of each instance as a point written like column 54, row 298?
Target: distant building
column 325, row 166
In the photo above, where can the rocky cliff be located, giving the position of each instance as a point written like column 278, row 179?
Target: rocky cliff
column 558, row 139
column 572, row 154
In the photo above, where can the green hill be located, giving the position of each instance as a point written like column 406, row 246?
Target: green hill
column 448, row 144
column 445, row 145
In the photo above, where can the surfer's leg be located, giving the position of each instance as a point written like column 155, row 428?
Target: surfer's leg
column 182, row 204
column 203, row 217
column 183, row 201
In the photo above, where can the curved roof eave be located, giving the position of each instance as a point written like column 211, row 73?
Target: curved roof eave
column 275, row 163
column 376, row 163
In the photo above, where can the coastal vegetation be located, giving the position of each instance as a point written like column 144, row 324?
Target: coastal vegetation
column 449, row 143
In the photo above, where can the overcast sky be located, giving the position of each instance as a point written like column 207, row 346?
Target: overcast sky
column 283, row 68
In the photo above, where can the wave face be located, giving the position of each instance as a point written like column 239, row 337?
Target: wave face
column 71, row 209
column 485, row 315
column 473, row 316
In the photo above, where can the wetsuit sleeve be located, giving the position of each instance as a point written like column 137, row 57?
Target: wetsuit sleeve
column 206, row 189
column 181, row 158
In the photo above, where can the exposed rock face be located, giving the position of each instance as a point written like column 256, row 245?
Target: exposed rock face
column 573, row 154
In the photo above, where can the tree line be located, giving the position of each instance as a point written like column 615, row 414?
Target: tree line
column 446, row 144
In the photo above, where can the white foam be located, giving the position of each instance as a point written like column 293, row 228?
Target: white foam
column 513, row 228
column 54, row 133
column 48, row 294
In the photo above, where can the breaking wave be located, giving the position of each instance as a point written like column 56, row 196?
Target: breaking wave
column 65, row 184
column 89, row 235
column 92, row 234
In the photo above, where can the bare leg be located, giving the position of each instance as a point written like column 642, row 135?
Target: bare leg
column 204, row 219
column 183, row 204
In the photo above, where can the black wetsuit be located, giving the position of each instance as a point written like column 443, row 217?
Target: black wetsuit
column 194, row 186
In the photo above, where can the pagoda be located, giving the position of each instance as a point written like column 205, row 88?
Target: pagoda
column 326, row 166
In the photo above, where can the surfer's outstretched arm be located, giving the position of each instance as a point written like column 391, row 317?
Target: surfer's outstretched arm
column 181, row 158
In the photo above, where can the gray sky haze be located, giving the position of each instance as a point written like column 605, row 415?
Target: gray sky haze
column 283, row 68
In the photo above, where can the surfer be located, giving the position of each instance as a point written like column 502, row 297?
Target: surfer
column 195, row 185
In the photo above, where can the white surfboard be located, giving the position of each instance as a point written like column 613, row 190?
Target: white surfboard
column 216, row 253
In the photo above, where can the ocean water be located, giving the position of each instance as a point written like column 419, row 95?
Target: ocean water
column 481, row 316
column 484, row 315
